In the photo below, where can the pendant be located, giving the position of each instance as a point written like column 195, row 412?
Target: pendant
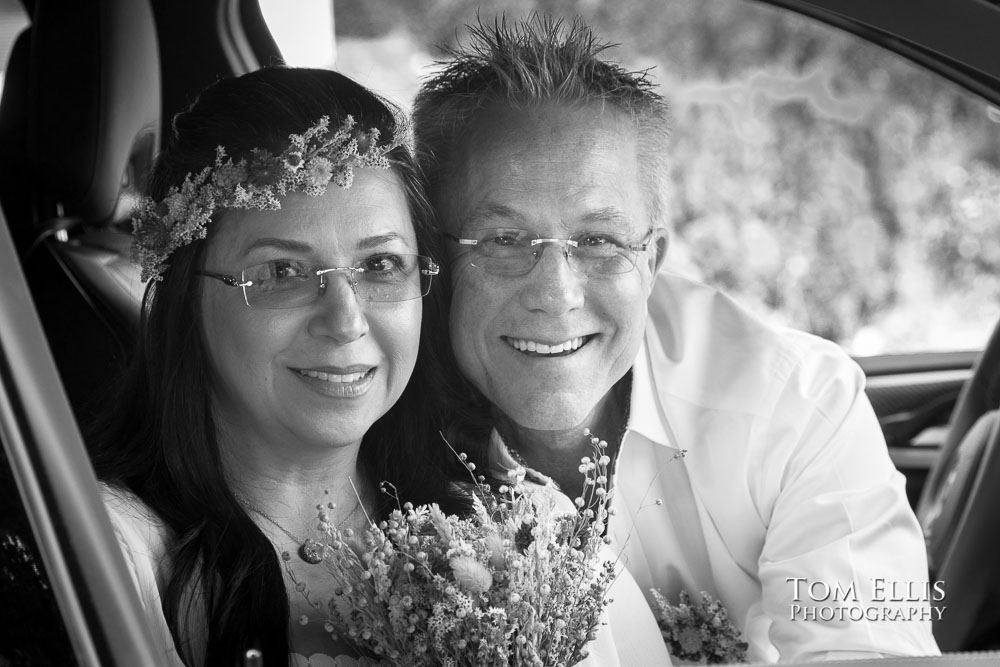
column 312, row 552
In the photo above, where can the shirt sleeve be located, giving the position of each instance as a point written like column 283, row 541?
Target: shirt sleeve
column 843, row 569
column 140, row 537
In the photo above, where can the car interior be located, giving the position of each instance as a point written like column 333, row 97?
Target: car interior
column 88, row 90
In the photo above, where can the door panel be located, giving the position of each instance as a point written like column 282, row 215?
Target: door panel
column 913, row 397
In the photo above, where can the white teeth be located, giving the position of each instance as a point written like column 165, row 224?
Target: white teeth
column 541, row 348
column 331, row 377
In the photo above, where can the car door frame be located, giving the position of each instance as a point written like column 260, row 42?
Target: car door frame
column 86, row 569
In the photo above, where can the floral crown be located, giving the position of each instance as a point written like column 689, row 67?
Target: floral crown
column 312, row 159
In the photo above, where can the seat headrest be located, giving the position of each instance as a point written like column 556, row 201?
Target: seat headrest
column 94, row 101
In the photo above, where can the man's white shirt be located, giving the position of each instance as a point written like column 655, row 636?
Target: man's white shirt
column 786, row 481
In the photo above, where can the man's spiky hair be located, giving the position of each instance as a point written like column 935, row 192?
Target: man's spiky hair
column 540, row 60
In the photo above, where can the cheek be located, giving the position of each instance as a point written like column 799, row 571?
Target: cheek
column 633, row 309
column 217, row 328
column 478, row 308
column 477, row 298
column 628, row 310
column 241, row 343
column 400, row 338
column 473, row 309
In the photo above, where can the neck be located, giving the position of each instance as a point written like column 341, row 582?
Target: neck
column 287, row 485
column 557, row 453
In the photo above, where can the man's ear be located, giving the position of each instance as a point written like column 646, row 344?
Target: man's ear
column 659, row 242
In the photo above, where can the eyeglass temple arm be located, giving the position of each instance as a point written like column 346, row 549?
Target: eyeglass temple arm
column 229, row 280
column 452, row 237
column 642, row 247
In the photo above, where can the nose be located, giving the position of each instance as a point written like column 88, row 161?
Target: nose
column 338, row 312
column 553, row 286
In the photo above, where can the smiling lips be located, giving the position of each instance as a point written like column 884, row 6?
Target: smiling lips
column 524, row 345
column 346, row 378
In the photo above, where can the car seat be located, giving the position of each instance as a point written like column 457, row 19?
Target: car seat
column 79, row 128
column 959, row 512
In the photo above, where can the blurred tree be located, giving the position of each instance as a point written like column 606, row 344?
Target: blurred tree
column 820, row 179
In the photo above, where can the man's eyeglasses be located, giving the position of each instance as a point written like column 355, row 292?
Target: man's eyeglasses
column 514, row 252
column 290, row 283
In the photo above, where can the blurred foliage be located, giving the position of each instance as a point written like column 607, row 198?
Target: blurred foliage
column 821, row 180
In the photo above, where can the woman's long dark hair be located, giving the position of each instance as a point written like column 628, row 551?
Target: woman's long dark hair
column 158, row 438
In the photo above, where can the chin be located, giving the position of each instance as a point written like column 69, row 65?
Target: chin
column 344, row 431
column 552, row 415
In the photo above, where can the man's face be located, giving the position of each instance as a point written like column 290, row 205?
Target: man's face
column 547, row 346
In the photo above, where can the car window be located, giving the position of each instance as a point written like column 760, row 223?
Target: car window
column 822, row 181
column 13, row 21
column 304, row 30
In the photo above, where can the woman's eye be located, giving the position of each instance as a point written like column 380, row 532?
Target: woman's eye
column 285, row 269
column 383, row 263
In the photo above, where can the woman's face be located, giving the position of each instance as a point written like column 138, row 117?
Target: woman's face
column 319, row 375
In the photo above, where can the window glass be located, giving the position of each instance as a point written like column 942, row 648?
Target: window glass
column 303, row 30
column 822, row 181
column 13, row 21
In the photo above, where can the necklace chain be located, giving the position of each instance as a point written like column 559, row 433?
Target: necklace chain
column 310, row 550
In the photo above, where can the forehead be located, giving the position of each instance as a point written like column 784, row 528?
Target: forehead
column 334, row 225
column 552, row 165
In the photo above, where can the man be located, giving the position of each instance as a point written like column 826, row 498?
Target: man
column 548, row 169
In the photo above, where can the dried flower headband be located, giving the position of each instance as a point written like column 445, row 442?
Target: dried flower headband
column 312, row 159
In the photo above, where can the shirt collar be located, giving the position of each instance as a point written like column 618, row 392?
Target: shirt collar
column 645, row 414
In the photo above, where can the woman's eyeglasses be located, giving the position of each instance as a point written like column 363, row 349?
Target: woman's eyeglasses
column 290, row 283
column 514, row 252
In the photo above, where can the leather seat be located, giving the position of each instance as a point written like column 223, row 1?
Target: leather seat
column 959, row 511
column 80, row 124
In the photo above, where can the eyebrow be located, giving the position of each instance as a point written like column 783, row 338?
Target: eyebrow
column 490, row 211
column 280, row 244
column 381, row 239
column 300, row 247
column 606, row 214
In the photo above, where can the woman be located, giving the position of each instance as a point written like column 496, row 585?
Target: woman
column 277, row 339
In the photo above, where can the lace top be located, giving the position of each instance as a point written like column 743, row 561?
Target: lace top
column 142, row 537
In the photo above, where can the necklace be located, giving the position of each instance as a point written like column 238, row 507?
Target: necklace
column 310, row 550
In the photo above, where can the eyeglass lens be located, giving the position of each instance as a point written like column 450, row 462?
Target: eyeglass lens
column 516, row 251
column 292, row 283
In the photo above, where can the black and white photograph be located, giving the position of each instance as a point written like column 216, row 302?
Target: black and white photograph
column 528, row 333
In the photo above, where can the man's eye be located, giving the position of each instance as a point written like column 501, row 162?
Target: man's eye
column 596, row 240
column 503, row 239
